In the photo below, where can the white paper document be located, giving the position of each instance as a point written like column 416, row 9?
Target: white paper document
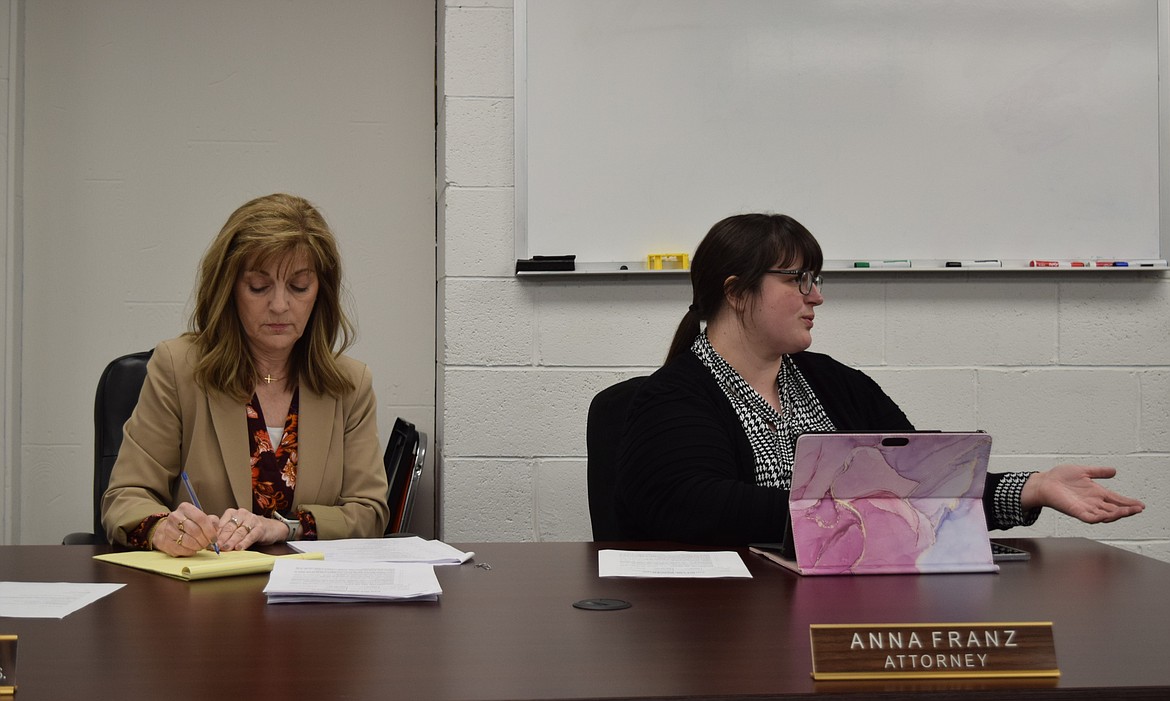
column 49, row 599
column 677, row 563
column 293, row 581
column 409, row 549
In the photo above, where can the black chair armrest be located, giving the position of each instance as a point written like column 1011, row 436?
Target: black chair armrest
column 82, row 539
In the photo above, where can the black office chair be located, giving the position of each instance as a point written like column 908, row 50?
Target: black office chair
column 604, row 426
column 117, row 395
column 405, row 455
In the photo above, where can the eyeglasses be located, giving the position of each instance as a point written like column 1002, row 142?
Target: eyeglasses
column 805, row 279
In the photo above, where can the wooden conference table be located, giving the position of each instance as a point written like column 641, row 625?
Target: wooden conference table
column 510, row 632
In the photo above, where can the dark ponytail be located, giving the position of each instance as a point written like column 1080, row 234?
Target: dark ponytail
column 733, row 258
column 684, row 337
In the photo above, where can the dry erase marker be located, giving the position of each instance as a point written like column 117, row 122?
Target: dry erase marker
column 1148, row 263
column 195, row 501
column 1064, row 264
column 881, row 264
column 989, row 263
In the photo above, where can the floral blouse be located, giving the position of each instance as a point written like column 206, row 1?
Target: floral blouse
column 274, row 473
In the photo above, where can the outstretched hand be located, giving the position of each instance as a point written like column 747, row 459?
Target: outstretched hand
column 1074, row 490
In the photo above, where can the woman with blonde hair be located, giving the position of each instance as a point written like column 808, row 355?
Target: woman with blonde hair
column 253, row 428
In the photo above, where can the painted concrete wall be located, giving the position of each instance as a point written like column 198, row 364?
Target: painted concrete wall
column 1057, row 369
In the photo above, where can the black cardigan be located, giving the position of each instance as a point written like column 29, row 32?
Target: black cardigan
column 686, row 471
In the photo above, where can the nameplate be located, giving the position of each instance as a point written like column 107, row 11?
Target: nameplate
column 933, row 650
column 7, row 664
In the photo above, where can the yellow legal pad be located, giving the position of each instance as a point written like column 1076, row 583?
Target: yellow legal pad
column 202, row 565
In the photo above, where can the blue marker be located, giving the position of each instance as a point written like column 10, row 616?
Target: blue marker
column 195, row 501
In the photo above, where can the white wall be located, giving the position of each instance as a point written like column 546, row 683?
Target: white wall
column 1057, row 368
column 146, row 123
column 10, row 273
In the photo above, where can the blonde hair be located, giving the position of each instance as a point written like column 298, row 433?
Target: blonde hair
column 275, row 227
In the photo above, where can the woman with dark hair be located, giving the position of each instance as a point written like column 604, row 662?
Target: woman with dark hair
column 708, row 451
column 273, row 428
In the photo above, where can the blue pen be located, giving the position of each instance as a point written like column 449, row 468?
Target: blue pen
column 195, row 501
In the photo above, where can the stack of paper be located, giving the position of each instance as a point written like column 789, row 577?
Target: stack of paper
column 294, row 581
column 409, row 549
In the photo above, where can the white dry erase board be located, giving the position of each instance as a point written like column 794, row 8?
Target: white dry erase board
column 927, row 130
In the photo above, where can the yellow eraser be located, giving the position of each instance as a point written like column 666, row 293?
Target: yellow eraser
column 668, row 261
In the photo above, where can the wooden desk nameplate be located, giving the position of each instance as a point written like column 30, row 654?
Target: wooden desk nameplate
column 933, row 651
column 7, row 665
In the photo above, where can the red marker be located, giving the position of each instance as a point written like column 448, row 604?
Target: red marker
column 1044, row 264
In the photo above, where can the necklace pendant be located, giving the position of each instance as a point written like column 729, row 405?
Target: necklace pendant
column 269, row 378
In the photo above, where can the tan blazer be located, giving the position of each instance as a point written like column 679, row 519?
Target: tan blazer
column 340, row 476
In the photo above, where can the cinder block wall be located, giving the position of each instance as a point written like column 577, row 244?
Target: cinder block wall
column 1061, row 368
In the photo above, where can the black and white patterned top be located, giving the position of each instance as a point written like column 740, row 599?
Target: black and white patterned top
column 773, row 434
column 1008, row 510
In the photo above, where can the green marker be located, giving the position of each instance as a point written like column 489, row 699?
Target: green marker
column 882, row 264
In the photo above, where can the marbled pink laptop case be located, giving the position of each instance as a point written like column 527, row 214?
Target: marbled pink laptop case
column 890, row 503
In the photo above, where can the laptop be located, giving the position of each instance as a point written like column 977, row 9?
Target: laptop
column 887, row 503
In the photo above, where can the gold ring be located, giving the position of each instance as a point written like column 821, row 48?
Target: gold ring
column 247, row 528
column 179, row 540
column 183, row 526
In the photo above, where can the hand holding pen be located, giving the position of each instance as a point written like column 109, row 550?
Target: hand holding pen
column 186, row 530
column 195, row 501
